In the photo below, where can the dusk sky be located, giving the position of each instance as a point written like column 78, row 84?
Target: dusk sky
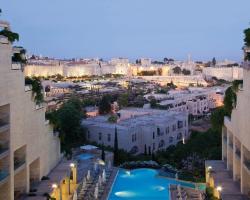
column 130, row 28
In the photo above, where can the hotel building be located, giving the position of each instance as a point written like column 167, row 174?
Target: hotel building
column 235, row 148
column 28, row 147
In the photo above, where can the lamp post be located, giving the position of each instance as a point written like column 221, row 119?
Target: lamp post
column 219, row 189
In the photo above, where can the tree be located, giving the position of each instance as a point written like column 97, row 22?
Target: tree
column 247, row 36
column 103, row 153
column 177, row 70
column 123, row 100
column 229, row 101
column 116, row 149
column 186, row 72
column 217, row 118
column 213, row 61
column 145, row 150
column 12, row 37
column 105, row 105
column 153, row 102
column 67, row 121
column 36, row 89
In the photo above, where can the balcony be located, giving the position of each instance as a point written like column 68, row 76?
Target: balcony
column 4, row 123
column 39, row 106
column 4, row 149
column 16, row 66
column 247, row 163
column 19, row 164
column 238, row 153
column 27, row 88
column 231, row 144
column 4, row 174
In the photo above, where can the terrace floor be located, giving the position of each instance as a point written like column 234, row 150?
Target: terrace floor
column 221, row 176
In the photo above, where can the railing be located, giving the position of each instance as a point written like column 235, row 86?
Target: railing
column 3, row 39
column 238, row 152
column 4, row 146
column 27, row 88
column 18, row 162
column 16, row 66
column 39, row 106
column 3, row 174
column 247, row 163
column 4, row 120
column 231, row 144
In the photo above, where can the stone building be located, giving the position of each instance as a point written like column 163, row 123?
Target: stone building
column 28, row 147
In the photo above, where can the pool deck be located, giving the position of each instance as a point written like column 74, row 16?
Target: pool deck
column 109, row 185
column 189, row 192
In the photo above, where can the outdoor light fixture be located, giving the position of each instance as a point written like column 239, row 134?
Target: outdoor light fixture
column 209, row 167
column 54, row 186
column 72, row 165
column 219, row 188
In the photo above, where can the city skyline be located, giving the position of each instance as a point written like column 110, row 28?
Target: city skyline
column 130, row 29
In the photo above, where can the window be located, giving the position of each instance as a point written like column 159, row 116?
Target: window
column 161, row 144
column 170, row 139
column 109, row 137
column 153, row 135
column 100, row 136
column 174, row 127
column 167, row 130
column 153, row 146
column 133, row 137
column 180, row 124
column 179, row 135
column 158, row 131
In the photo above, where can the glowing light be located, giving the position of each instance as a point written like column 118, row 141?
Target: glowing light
column 219, row 188
column 54, row 186
column 72, row 165
column 128, row 173
column 159, row 188
column 209, row 167
column 125, row 194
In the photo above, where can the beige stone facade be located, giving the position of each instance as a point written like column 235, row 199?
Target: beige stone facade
column 28, row 147
column 236, row 137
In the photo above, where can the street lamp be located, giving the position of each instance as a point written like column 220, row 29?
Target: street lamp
column 54, row 186
column 219, row 188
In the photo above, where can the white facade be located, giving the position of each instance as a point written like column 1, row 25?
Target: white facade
column 138, row 128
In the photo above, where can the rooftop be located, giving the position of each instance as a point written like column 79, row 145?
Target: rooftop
column 131, row 117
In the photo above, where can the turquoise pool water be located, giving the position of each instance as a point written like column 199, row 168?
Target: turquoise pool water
column 84, row 156
column 142, row 184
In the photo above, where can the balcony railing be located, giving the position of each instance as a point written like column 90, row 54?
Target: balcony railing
column 16, row 66
column 238, row 152
column 4, row 146
column 3, row 174
column 27, row 88
column 4, row 122
column 231, row 144
column 247, row 163
column 18, row 162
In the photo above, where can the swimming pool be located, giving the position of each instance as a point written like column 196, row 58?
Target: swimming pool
column 84, row 156
column 142, row 184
